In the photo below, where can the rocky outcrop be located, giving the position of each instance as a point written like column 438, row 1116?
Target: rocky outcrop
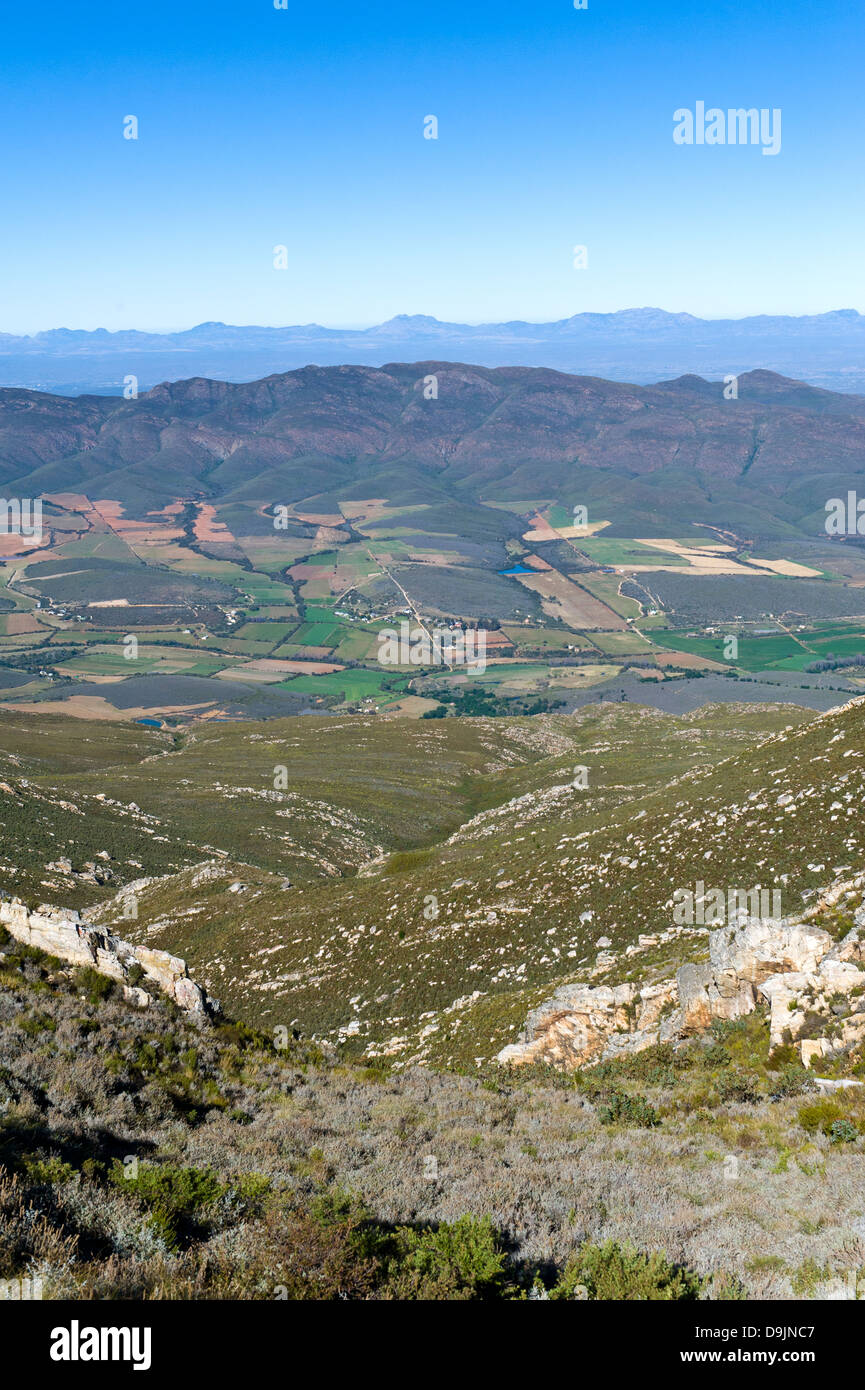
column 62, row 934
column 814, row 987
column 705, row 994
column 582, row 1024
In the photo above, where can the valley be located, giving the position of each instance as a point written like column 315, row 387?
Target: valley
column 210, row 551
column 395, row 740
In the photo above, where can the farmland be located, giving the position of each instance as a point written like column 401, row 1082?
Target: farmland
column 198, row 610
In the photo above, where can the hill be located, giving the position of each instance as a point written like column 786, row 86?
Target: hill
column 148, row 1153
column 347, row 1128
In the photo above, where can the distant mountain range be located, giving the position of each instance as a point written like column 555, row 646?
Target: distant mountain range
column 653, row 459
column 636, row 345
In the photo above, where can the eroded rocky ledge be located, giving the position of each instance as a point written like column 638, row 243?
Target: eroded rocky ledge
column 61, row 933
column 813, row 984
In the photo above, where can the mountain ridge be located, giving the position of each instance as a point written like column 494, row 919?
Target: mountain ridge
column 647, row 317
column 637, row 344
column 776, row 452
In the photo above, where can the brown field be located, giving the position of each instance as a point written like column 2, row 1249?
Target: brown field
column 561, row 598
column 788, row 567
column 497, row 641
column 689, row 661
column 72, row 501
column 95, row 707
column 409, row 707
column 330, row 535
column 540, row 530
column 320, row 518
column 16, row 623
column 156, row 532
column 366, row 509
column 207, row 528
column 276, row 666
column 322, row 581
column 307, row 654
column 11, row 544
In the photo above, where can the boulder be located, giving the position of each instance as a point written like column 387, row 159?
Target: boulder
column 810, row 1048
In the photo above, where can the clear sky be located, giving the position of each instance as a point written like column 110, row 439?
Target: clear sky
column 304, row 127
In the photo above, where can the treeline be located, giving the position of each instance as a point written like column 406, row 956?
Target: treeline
column 834, row 663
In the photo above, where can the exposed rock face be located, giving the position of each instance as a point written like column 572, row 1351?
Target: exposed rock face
column 581, row 1024
column 62, row 934
column 815, row 990
column 705, row 994
column 764, row 947
column 795, row 966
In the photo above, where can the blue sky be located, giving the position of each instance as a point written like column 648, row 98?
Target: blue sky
column 304, row 127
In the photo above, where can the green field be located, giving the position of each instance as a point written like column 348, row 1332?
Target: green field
column 318, row 613
column 360, row 684
column 545, row 637
column 612, row 551
column 317, row 634
column 781, row 653
column 356, row 645
column 265, row 632
column 623, row 643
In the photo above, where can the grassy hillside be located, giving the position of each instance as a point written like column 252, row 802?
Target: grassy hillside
column 144, row 1156
column 435, row 951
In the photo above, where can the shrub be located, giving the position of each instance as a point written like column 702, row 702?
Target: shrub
column 94, row 985
column 36, row 1023
column 621, row 1109
column 820, row 1115
column 726, row 1287
column 792, row 1080
column 657, row 1066
column 46, row 1171
column 175, row 1196
column 784, row 1056
column 459, row 1260
column 716, row 1055
column 737, row 1085
column 620, row 1272
column 843, row 1132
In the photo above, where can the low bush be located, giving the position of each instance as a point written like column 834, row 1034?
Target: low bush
column 621, row 1109
column 621, row 1273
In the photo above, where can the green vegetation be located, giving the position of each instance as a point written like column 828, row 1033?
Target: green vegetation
column 231, row 1200
column 621, row 1273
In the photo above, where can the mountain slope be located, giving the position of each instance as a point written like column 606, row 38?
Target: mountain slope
column 434, row 954
column 662, row 456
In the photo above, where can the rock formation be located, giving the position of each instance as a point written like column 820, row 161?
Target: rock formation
column 815, row 989
column 61, row 933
